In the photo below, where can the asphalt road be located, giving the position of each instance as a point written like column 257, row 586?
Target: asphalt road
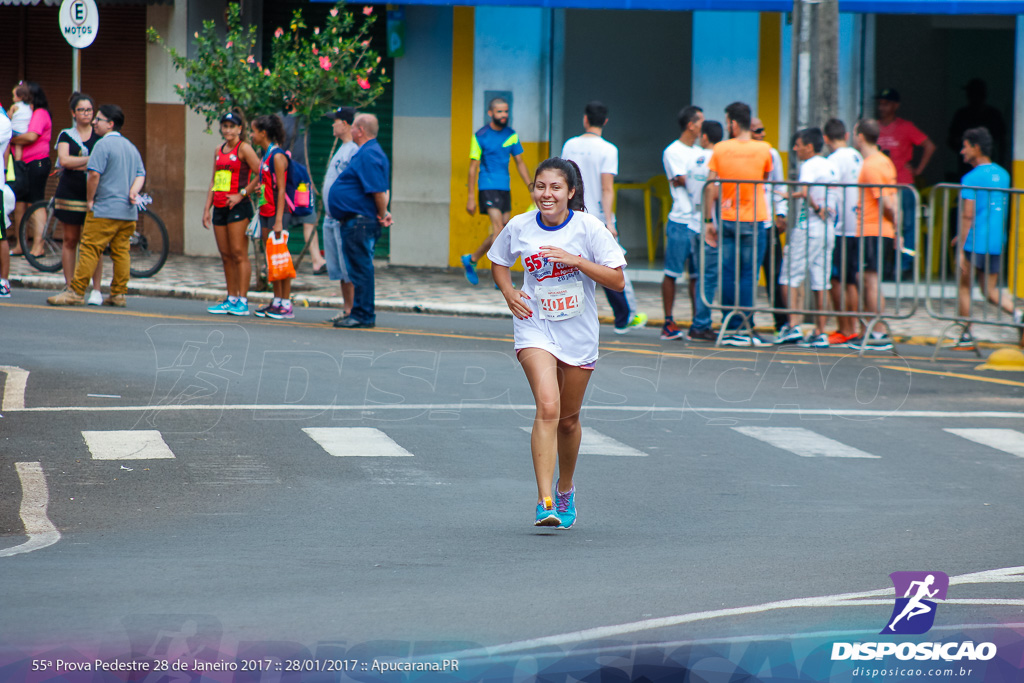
column 716, row 480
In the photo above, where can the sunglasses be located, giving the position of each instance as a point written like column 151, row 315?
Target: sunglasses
column 757, row 130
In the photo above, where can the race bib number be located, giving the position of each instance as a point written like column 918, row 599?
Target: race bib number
column 222, row 181
column 561, row 302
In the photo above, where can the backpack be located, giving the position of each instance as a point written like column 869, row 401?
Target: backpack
column 297, row 195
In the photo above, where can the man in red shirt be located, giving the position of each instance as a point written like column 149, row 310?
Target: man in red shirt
column 898, row 139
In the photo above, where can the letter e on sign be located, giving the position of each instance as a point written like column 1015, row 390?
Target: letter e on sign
column 79, row 22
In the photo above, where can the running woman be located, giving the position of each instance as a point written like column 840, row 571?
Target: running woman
column 235, row 175
column 566, row 253
column 268, row 133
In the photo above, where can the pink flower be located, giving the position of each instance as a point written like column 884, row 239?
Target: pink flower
column 279, row 32
column 325, row 63
column 365, row 43
column 368, row 10
column 230, row 44
column 316, row 31
column 251, row 59
column 266, row 72
column 378, row 59
column 315, row 51
column 363, row 83
column 369, row 70
column 334, row 12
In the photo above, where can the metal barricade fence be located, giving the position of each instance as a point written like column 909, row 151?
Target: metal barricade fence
column 819, row 235
column 979, row 219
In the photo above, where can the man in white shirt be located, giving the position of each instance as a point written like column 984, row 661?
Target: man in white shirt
column 5, row 208
column 683, row 228
column 711, row 133
column 811, row 237
column 847, row 162
column 341, row 125
column 598, row 160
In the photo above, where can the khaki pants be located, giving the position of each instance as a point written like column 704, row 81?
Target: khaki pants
column 97, row 233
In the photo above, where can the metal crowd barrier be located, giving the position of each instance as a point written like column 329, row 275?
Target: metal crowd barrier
column 837, row 196
column 951, row 290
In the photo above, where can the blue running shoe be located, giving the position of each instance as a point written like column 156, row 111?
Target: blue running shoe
column 546, row 515
column 565, row 508
column 467, row 263
column 238, row 308
column 223, row 308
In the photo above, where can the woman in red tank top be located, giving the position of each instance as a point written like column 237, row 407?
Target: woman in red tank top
column 235, row 176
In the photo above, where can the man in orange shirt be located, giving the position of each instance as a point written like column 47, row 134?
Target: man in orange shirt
column 876, row 220
column 743, row 213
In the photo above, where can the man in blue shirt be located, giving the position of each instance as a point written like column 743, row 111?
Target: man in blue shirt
column 489, row 152
column 359, row 200
column 982, row 232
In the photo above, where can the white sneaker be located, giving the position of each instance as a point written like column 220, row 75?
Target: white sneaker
column 95, row 298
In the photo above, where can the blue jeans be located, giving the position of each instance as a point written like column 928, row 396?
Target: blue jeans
column 707, row 283
column 358, row 237
column 909, row 233
column 740, row 237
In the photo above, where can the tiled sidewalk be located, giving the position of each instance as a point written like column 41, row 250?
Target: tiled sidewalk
column 433, row 290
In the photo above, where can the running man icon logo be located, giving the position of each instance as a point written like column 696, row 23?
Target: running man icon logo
column 914, row 612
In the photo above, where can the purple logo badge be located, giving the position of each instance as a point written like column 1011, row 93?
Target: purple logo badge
column 914, row 611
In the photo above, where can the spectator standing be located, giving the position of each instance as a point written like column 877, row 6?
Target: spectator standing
column 7, row 200
column 775, row 200
column 268, row 134
column 35, row 155
column 707, row 281
column 296, row 139
column 682, row 231
column 598, row 161
column 847, row 162
column 236, row 174
column 359, row 201
column 116, row 176
column 20, row 114
column 876, row 228
column 74, row 145
column 743, row 213
column 342, row 119
column 810, row 239
column 899, row 138
column 489, row 154
column 982, row 231
column 977, row 113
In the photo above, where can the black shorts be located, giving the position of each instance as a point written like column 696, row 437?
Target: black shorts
column 37, row 172
column 242, row 211
column 987, row 263
column 872, row 259
column 846, row 250
column 495, row 199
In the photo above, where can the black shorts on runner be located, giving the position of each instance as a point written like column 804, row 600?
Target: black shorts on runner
column 242, row 211
column 495, row 199
column 987, row 263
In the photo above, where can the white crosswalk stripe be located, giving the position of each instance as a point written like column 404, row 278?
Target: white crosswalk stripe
column 593, row 442
column 144, row 444
column 803, row 442
column 1007, row 440
column 353, row 442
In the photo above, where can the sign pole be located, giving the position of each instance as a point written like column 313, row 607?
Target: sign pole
column 76, row 70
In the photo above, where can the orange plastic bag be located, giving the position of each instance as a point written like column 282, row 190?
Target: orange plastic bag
column 279, row 261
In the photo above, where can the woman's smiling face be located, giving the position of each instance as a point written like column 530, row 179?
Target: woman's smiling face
column 551, row 193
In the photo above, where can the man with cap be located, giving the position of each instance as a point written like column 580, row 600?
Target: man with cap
column 358, row 200
column 898, row 139
column 342, row 119
column 296, row 140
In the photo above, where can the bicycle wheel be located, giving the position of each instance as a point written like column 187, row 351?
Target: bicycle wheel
column 148, row 245
column 51, row 239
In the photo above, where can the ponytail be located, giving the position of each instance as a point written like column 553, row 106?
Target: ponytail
column 573, row 178
column 272, row 126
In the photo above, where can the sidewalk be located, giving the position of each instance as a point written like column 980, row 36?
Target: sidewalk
column 435, row 290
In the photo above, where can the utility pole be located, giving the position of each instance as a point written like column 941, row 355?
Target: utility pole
column 814, row 90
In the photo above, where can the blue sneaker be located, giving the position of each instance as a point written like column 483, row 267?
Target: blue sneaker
column 467, row 263
column 565, row 508
column 238, row 308
column 223, row 308
column 546, row 515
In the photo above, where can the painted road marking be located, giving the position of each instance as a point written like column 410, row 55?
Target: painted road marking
column 803, row 442
column 143, row 444
column 1007, row 440
column 593, row 442
column 35, row 498
column 14, row 388
column 356, row 442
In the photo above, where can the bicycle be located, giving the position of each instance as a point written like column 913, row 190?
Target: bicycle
column 148, row 245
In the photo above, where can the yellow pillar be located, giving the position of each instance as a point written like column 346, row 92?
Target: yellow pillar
column 769, row 66
column 463, row 229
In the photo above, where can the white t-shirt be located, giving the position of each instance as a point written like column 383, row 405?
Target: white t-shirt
column 677, row 159
column 847, row 162
column 775, row 195
column 5, row 140
column 821, row 172
column 573, row 341
column 337, row 164
column 696, row 178
column 595, row 156
column 22, row 117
